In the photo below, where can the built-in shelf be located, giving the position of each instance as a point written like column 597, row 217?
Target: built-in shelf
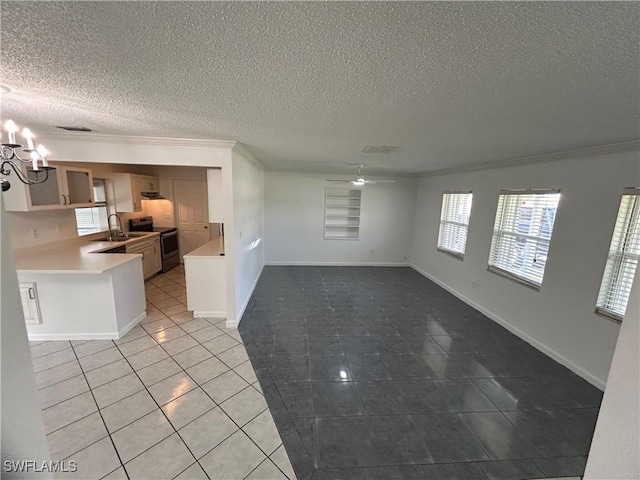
column 342, row 214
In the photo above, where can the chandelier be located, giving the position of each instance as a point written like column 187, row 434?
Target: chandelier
column 39, row 171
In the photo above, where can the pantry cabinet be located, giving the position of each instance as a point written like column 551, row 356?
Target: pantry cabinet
column 214, row 187
column 66, row 187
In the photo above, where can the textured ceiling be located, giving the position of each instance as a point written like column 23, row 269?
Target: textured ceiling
column 304, row 85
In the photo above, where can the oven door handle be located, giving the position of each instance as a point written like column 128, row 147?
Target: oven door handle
column 168, row 235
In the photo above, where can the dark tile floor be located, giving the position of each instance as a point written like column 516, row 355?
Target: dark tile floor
column 378, row 373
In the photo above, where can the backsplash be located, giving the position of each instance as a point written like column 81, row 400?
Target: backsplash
column 49, row 226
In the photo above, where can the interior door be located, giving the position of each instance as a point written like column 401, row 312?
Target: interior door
column 192, row 216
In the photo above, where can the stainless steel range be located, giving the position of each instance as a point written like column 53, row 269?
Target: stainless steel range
column 168, row 240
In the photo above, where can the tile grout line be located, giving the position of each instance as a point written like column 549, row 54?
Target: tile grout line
column 200, row 387
column 103, row 423
column 166, row 418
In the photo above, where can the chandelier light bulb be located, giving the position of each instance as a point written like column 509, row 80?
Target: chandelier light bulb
column 42, row 151
column 11, row 129
column 34, row 160
column 28, row 136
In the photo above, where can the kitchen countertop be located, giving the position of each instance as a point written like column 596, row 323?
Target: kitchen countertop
column 76, row 258
column 211, row 249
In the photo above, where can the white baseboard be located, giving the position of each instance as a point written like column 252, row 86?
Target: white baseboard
column 209, row 314
column 341, row 264
column 234, row 324
column 123, row 331
column 597, row 382
column 42, row 337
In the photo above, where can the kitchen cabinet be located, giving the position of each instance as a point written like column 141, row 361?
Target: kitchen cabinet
column 128, row 188
column 214, row 187
column 30, row 305
column 206, row 279
column 66, row 187
column 151, row 256
column 148, row 183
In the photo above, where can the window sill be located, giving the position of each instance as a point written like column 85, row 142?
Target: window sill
column 92, row 232
column 456, row 255
column 514, row 278
column 608, row 315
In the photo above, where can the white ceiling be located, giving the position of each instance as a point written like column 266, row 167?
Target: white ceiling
column 308, row 85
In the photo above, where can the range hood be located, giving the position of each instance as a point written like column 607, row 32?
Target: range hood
column 151, row 196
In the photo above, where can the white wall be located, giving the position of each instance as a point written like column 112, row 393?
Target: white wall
column 294, row 222
column 246, row 229
column 615, row 449
column 560, row 318
column 23, row 435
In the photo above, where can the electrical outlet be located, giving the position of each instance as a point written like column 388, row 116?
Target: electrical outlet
column 474, row 284
column 34, row 232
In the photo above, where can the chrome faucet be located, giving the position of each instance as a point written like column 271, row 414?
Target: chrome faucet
column 118, row 230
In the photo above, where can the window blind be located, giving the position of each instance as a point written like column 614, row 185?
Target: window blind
column 522, row 234
column 93, row 219
column 622, row 259
column 454, row 222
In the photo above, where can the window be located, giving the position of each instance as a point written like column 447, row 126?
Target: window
column 342, row 214
column 94, row 219
column 522, row 234
column 454, row 222
column 623, row 258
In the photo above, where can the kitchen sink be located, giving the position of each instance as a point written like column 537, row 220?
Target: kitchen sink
column 115, row 238
column 122, row 238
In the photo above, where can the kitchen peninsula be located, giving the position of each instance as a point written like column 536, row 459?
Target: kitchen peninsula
column 206, row 277
column 82, row 293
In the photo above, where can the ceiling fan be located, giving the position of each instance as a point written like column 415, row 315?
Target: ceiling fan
column 360, row 180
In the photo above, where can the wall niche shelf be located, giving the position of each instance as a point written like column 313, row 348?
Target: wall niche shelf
column 342, row 213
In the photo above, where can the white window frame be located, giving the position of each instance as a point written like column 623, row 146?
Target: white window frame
column 450, row 221
column 622, row 260
column 104, row 223
column 517, row 243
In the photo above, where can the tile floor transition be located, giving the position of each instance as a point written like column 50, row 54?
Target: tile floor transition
column 378, row 373
column 175, row 398
column 368, row 373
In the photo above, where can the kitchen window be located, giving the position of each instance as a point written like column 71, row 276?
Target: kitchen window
column 622, row 259
column 94, row 219
column 454, row 222
column 522, row 234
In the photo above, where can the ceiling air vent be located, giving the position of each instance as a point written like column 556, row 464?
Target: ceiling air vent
column 379, row 149
column 76, row 129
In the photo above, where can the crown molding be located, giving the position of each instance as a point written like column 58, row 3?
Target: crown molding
column 319, row 170
column 631, row 146
column 245, row 153
column 131, row 140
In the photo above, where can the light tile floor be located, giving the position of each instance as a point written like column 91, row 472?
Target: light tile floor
column 175, row 398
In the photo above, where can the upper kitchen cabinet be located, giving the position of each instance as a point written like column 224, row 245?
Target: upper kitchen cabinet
column 66, row 187
column 214, row 185
column 128, row 189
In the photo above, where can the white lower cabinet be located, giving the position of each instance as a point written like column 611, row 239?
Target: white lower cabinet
column 30, row 306
column 151, row 256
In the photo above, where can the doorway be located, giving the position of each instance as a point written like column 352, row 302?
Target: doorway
column 191, row 212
